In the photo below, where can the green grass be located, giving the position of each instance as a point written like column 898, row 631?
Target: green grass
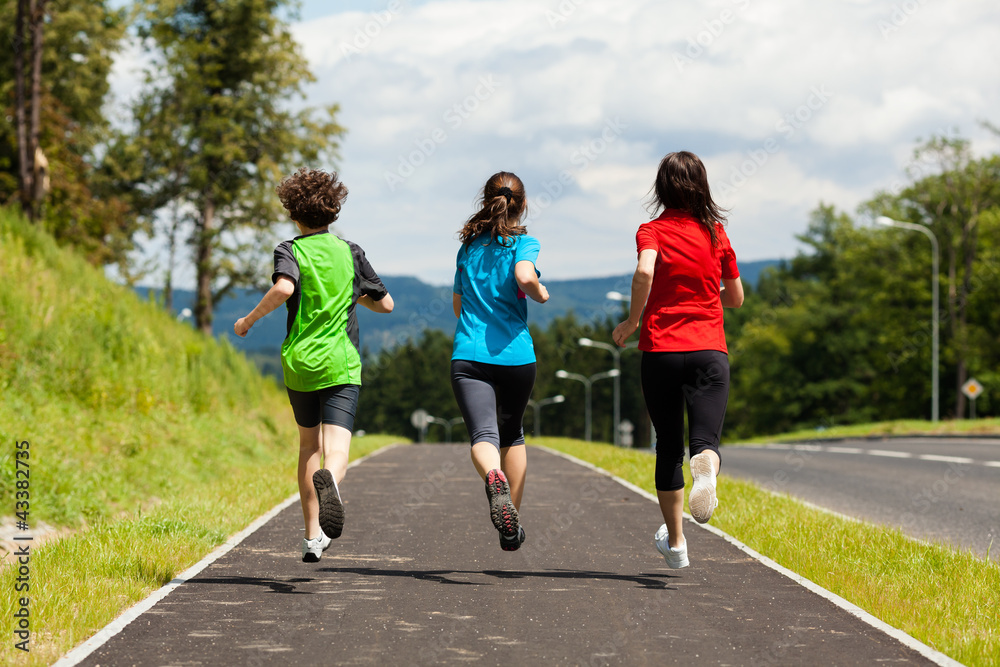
column 150, row 444
column 947, row 599
column 990, row 426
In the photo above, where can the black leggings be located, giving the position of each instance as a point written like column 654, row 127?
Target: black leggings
column 492, row 399
column 669, row 381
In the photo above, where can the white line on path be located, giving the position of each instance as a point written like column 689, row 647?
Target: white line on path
column 935, row 656
column 946, row 459
column 75, row 656
column 889, row 452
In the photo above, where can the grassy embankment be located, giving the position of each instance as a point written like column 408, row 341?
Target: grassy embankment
column 149, row 444
column 948, row 599
column 901, row 427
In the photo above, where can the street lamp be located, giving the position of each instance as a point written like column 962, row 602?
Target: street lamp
column 587, row 383
column 935, row 273
column 447, row 423
column 537, row 405
column 586, row 342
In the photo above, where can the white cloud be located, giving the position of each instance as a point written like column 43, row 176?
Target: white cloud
column 723, row 78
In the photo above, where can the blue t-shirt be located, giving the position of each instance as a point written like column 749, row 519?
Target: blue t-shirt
column 493, row 326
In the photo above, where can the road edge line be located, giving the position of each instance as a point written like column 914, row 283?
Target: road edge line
column 102, row 636
column 907, row 640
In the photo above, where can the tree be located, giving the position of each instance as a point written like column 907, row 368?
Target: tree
column 68, row 71
column 29, row 30
column 951, row 200
column 217, row 132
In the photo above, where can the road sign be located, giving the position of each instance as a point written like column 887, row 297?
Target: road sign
column 420, row 418
column 972, row 389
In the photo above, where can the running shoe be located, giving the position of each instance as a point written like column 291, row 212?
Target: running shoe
column 702, row 500
column 676, row 557
column 513, row 544
column 502, row 509
column 312, row 550
column 331, row 509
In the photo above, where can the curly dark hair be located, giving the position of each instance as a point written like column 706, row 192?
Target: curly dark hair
column 312, row 197
column 682, row 183
column 499, row 212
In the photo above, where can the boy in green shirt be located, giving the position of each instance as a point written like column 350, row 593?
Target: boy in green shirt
column 320, row 277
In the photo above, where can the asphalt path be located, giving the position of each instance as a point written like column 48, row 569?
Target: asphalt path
column 935, row 489
column 418, row 577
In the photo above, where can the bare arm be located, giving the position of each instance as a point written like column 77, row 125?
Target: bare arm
column 383, row 305
column 277, row 295
column 527, row 280
column 642, row 282
column 456, row 304
column 732, row 292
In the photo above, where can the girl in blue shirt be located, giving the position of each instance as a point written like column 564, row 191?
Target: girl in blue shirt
column 493, row 362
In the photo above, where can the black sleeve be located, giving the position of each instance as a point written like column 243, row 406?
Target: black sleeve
column 369, row 284
column 285, row 263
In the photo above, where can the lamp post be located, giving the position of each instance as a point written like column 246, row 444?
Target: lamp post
column 618, row 296
column 587, row 383
column 586, row 342
column 447, row 423
column 935, row 320
column 538, row 405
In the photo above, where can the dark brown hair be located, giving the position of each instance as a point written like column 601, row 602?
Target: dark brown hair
column 682, row 183
column 312, row 197
column 499, row 212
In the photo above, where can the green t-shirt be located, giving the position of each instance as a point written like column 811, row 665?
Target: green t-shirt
column 322, row 349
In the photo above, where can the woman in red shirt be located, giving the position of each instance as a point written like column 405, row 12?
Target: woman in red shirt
column 684, row 254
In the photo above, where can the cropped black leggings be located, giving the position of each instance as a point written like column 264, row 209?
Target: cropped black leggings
column 492, row 399
column 671, row 380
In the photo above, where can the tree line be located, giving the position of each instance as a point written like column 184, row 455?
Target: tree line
column 192, row 155
column 839, row 334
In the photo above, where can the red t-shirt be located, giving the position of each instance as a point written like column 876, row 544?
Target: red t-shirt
column 684, row 311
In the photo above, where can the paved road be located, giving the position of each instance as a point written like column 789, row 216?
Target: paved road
column 932, row 488
column 418, row 578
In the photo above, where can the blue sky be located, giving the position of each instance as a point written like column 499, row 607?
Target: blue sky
column 789, row 103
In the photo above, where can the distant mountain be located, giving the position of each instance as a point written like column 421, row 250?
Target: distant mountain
column 421, row 306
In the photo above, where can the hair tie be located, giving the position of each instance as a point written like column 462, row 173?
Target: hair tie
column 506, row 192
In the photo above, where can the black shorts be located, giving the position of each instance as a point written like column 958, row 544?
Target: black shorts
column 334, row 405
column 492, row 399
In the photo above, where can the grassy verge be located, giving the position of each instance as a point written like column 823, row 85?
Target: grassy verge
column 150, row 443
column 83, row 581
column 948, row 599
column 901, row 427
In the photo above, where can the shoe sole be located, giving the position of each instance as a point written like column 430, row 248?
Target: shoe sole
column 331, row 509
column 310, row 558
column 502, row 510
column 702, row 500
column 513, row 543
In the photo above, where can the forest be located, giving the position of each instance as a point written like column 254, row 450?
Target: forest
column 839, row 334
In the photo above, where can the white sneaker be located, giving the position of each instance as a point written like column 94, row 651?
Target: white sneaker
column 702, row 500
column 676, row 557
column 312, row 550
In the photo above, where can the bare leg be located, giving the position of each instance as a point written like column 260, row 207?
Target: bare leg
column 309, row 462
column 514, row 463
column 672, row 508
column 336, row 450
column 485, row 457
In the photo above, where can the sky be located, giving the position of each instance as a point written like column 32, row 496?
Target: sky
column 788, row 103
